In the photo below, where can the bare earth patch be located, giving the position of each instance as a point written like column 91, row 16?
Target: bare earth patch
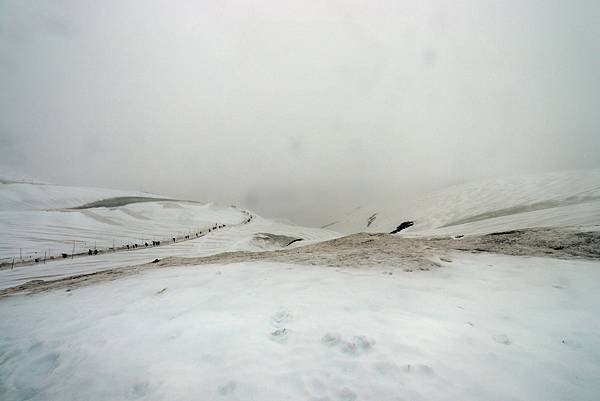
column 369, row 250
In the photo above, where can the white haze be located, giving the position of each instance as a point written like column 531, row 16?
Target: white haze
column 299, row 109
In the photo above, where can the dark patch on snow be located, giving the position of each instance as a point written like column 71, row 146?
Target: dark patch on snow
column 125, row 200
column 549, row 204
column 366, row 250
column 371, row 219
column 504, row 232
column 403, row 226
column 275, row 239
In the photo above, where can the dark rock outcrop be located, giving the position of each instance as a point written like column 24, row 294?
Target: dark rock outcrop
column 403, row 226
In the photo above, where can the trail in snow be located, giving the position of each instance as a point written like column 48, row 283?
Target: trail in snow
column 133, row 247
column 38, row 220
column 230, row 238
column 367, row 251
column 238, row 314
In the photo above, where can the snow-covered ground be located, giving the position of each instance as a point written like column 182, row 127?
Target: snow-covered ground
column 482, row 327
column 395, row 318
column 230, row 238
column 26, row 196
column 559, row 199
column 39, row 219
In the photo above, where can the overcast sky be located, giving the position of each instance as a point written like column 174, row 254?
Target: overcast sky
column 299, row 109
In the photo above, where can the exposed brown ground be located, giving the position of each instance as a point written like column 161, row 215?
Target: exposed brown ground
column 368, row 250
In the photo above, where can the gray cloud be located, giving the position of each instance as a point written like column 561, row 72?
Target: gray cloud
column 298, row 109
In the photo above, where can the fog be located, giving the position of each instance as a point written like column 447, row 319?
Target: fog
column 297, row 109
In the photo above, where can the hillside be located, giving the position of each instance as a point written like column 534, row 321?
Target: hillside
column 38, row 219
column 264, row 310
column 558, row 199
column 52, row 219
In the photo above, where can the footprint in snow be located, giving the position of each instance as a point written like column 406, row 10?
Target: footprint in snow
column 227, row 388
column 422, row 369
column 346, row 395
column 280, row 318
column 280, row 335
column 425, row 370
column 357, row 345
column 331, row 339
column 140, row 389
column 502, row 339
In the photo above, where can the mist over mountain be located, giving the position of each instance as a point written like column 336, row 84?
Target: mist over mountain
column 274, row 104
column 299, row 200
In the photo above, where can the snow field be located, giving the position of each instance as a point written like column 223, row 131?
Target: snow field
column 481, row 327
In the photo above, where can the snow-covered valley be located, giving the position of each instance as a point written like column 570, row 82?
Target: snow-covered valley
column 36, row 217
column 473, row 302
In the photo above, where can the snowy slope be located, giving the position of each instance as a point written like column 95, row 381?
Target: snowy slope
column 37, row 219
column 17, row 196
column 231, row 238
column 558, row 199
column 472, row 327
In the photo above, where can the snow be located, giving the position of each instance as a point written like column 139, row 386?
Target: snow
column 467, row 327
column 37, row 219
column 480, row 327
column 38, row 196
column 559, row 199
column 228, row 239
column 57, row 231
